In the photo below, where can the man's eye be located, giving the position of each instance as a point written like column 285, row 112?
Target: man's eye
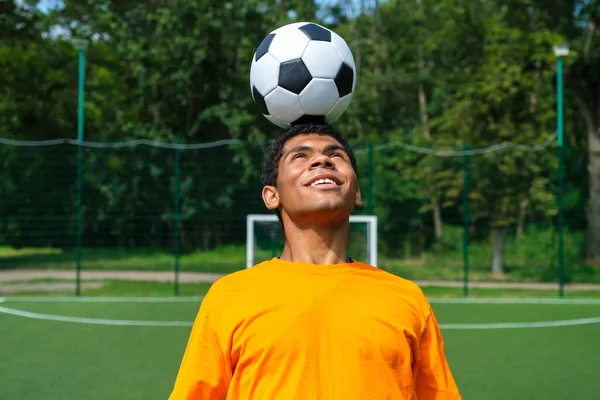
column 299, row 155
column 337, row 155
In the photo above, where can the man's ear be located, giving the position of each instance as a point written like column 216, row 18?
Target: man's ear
column 270, row 197
column 358, row 201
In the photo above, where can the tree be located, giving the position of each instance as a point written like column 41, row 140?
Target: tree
column 579, row 25
column 507, row 97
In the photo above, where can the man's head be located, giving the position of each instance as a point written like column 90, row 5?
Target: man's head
column 310, row 172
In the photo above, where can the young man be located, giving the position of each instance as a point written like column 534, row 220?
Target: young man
column 314, row 324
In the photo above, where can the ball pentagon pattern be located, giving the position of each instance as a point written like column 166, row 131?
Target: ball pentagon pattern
column 302, row 72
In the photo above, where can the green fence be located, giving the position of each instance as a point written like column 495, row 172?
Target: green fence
column 443, row 214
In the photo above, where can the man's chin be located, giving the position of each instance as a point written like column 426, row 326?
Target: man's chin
column 326, row 210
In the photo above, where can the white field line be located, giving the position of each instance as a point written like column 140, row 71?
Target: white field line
column 522, row 325
column 96, row 321
column 164, row 299
column 183, row 299
column 541, row 300
column 507, row 325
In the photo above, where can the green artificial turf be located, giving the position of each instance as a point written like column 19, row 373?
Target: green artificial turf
column 70, row 360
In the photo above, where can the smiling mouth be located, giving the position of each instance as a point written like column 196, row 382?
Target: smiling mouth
column 325, row 181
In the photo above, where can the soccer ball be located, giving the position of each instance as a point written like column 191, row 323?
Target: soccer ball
column 302, row 72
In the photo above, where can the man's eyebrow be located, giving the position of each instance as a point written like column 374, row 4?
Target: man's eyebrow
column 328, row 149
column 334, row 147
column 298, row 149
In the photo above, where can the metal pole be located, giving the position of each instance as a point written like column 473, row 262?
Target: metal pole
column 79, row 221
column 560, row 135
column 80, row 91
column 79, row 211
column 176, row 218
column 466, row 221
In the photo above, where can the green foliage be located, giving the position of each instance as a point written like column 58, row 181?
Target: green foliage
column 177, row 71
column 530, row 256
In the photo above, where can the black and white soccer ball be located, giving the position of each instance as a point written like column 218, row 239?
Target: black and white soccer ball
column 302, row 72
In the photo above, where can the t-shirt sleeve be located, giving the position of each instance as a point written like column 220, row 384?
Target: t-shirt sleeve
column 205, row 370
column 434, row 380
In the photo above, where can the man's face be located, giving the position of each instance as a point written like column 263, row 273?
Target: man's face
column 315, row 180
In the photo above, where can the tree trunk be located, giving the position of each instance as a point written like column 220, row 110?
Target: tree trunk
column 421, row 64
column 522, row 216
column 499, row 241
column 421, row 68
column 437, row 218
column 593, row 205
column 435, row 205
column 282, row 11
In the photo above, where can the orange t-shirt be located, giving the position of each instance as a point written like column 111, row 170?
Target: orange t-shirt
column 285, row 330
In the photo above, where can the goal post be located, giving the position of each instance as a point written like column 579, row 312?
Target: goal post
column 264, row 238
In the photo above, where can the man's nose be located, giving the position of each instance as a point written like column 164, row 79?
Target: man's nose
column 322, row 161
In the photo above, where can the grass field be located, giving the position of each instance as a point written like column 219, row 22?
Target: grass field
column 75, row 359
column 54, row 347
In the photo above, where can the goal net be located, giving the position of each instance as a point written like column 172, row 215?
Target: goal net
column 265, row 238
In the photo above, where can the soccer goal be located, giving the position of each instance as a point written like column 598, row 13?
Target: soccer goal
column 265, row 238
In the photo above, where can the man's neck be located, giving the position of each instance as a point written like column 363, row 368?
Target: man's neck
column 316, row 244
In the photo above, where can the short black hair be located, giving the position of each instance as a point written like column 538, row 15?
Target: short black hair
column 275, row 150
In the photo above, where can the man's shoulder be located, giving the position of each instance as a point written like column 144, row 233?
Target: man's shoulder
column 381, row 273
column 395, row 281
column 240, row 279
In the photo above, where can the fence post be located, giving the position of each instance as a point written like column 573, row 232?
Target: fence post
column 466, row 221
column 176, row 217
column 370, row 175
column 561, row 223
column 81, row 47
column 560, row 149
column 79, row 220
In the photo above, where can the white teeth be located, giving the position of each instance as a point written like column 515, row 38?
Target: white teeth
column 320, row 181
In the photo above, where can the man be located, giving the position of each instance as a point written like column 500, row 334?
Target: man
column 313, row 323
